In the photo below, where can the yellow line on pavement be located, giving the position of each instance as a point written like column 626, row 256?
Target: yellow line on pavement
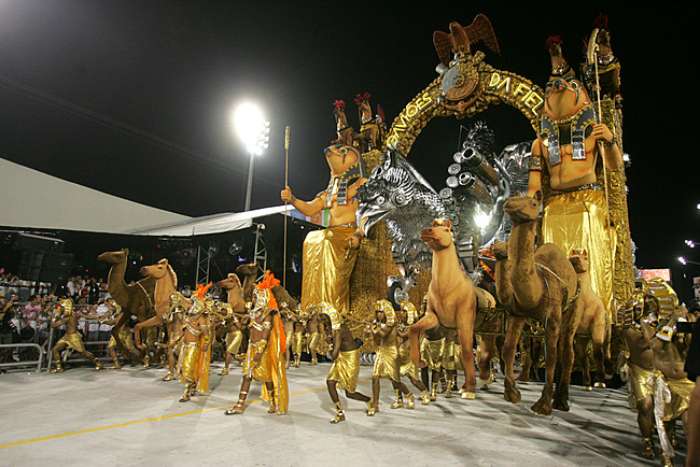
column 161, row 418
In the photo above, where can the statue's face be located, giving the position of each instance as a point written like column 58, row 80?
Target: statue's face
column 340, row 158
column 563, row 98
column 365, row 112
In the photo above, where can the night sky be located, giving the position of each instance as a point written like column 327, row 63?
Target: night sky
column 133, row 97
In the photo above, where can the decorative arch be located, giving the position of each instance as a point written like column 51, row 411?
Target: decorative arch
column 467, row 88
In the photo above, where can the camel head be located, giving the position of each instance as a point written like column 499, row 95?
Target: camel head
column 245, row 271
column 579, row 260
column 500, row 250
column 159, row 271
column 231, row 282
column 114, row 257
column 522, row 209
column 564, row 98
column 439, row 236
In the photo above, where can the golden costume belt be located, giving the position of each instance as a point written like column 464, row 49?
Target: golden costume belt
column 586, row 187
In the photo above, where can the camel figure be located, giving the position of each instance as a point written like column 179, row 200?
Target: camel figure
column 452, row 301
column 540, row 284
column 165, row 286
column 136, row 299
column 593, row 319
column 247, row 273
column 234, row 292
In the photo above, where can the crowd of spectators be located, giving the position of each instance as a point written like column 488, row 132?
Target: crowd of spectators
column 27, row 308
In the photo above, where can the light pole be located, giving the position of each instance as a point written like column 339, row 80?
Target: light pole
column 254, row 132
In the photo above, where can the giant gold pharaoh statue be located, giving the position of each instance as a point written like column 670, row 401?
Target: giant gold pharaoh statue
column 328, row 261
column 563, row 169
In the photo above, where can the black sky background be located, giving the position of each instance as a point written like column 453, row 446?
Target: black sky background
column 134, row 97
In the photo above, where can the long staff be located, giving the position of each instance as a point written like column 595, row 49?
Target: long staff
column 592, row 56
column 287, row 137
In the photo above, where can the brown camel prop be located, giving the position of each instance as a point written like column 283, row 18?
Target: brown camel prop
column 539, row 284
column 452, row 301
column 136, row 299
column 593, row 318
column 166, row 285
column 234, row 292
column 247, row 273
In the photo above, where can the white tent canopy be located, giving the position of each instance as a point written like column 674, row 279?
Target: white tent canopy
column 216, row 223
column 32, row 199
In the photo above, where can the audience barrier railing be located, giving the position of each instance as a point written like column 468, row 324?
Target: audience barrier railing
column 24, row 363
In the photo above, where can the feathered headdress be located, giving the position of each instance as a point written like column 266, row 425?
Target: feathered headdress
column 362, row 97
column 601, row 21
column 552, row 41
column 339, row 105
column 202, row 289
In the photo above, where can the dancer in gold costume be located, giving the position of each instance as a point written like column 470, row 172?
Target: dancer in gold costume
column 346, row 361
column 71, row 339
column 386, row 364
column 655, row 368
column 195, row 348
column 124, row 332
column 266, row 350
column 234, row 324
column 299, row 328
column 406, row 317
column 174, row 321
column 313, row 331
column 328, row 261
column 432, row 350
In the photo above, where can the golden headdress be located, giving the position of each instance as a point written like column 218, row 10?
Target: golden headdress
column 332, row 314
column 66, row 306
column 387, row 308
column 411, row 312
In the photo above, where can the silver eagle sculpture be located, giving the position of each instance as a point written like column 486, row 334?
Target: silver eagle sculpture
column 478, row 183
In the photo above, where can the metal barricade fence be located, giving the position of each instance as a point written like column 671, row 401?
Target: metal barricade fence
column 22, row 363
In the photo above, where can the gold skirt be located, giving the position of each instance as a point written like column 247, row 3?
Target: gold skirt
column 327, row 268
column 432, row 352
column 234, row 340
column 262, row 372
column 73, row 341
column 680, row 397
column 345, row 370
column 641, row 382
column 406, row 365
column 386, row 363
column 577, row 220
column 125, row 336
column 188, row 362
